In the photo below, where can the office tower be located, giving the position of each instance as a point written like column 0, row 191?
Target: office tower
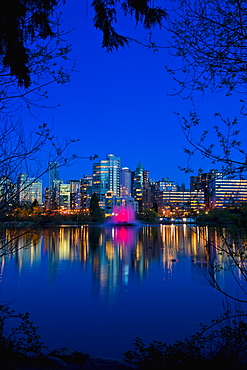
column 35, row 191
column 126, row 182
column 75, row 194
column 100, row 183
column 146, row 191
column 106, row 176
column 86, row 191
column 147, row 195
column 166, row 185
column 145, row 176
column 219, row 192
column 114, row 173
column 176, row 203
column 202, row 183
column 227, row 192
column 54, row 183
column 64, row 196
column 21, row 186
column 137, row 185
column 6, row 191
column 29, row 189
column 53, row 174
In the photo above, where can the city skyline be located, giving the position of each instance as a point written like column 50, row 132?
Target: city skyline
column 61, row 171
column 123, row 102
column 134, row 189
column 123, row 189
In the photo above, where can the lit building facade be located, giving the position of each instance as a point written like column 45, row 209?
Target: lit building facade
column 106, row 176
column 54, row 183
column 64, row 196
column 86, row 191
column 100, row 183
column 202, row 183
column 180, row 200
column 29, row 189
column 75, row 194
column 111, row 201
column 114, row 173
column 126, row 182
column 227, row 192
column 219, row 192
column 53, row 174
column 7, row 193
column 166, row 185
column 137, row 185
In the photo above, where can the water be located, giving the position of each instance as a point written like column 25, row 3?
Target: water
column 96, row 289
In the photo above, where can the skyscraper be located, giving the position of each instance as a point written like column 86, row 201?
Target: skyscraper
column 114, row 174
column 53, row 185
column 64, row 196
column 29, row 189
column 100, row 183
column 126, row 182
column 53, row 174
column 75, row 194
column 106, row 176
column 86, row 191
column 137, row 185
column 7, row 192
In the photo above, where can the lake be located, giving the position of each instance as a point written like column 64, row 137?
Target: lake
column 98, row 288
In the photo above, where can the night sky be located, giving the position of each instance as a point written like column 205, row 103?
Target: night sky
column 123, row 103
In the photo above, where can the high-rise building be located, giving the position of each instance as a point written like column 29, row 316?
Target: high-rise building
column 227, row 192
column 126, row 182
column 64, row 196
column 29, row 189
column 219, row 192
column 137, row 185
column 86, row 191
column 53, row 174
column 180, row 200
column 106, row 176
column 114, row 173
column 75, row 194
column 166, row 185
column 100, row 183
column 54, row 183
column 145, row 176
column 7, row 193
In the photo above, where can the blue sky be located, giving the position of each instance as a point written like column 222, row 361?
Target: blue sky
column 121, row 103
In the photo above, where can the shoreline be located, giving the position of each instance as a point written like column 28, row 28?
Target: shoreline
column 64, row 224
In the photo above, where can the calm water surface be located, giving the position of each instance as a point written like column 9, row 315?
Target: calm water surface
column 96, row 289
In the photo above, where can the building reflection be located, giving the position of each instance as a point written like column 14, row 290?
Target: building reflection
column 116, row 255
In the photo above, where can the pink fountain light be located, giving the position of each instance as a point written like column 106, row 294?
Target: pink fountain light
column 124, row 236
column 123, row 215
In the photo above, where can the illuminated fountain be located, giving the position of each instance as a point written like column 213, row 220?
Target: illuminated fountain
column 123, row 215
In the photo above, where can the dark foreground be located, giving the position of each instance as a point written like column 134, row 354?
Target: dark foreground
column 65, row 358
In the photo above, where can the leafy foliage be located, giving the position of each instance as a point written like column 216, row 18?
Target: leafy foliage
column 222, row 145
column 33, row 53
column 149, row 215
column 236, row 218
column 22, row 153
column 18, row 336
column 106, row 12
column 223, row 342
column 94, row 203
column 22, row 22
column 210, row 37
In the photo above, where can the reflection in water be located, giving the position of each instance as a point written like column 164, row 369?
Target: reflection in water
column 116, row 252
column 108, row 285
